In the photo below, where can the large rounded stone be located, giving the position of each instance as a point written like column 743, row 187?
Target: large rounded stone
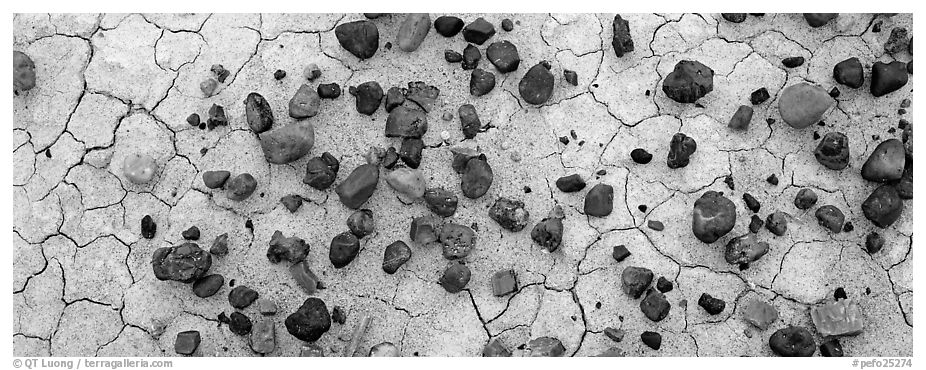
column 320, row 172
column 477, row 178
column 886, row 162
column 504, row 56
column 688, row 81
column 599, row 201
column 369, row 96
column 883, row 207
column 407, row 123
column 448, row 26
column 412, row 31
column 288, row 144
column 714, row 215
column 310, row 321
column 849, row 72
column 360, row 38
column 185, row 263
column 509, row 214
column 304, row 103
column 792, row 341
column 635, row 280
column 803, row 104
column 343, row 250
column 258, row 113
column 833, row 151
column 455, row 277
column 215, row 179
column 23, row 72
column 240, row 187
column 358, row 186
column 887, row 77
column 536, row 87
column 830, row 218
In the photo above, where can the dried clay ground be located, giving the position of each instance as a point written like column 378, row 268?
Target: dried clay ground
column 115, row 84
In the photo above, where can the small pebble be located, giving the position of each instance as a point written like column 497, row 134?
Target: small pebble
column 651, row 339
column 311, row 72
column 191, row 234
column 279, row 74
column 193, row 119
column 620, row 253
column 571, row 77
column 655, row 225
column 772, row 179
column 664, row 285
column 148, row 227
column 507, row 25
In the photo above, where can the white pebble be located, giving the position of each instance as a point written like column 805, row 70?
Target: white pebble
column 445, row 136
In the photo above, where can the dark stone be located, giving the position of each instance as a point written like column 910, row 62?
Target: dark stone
column 655, row 306
column 887, row 78
column 620, row 253
column 455, row 277
column 424, row 229
column 772, row 179
column 755, row 224
column 320, row 172
column 241, row 297
column 816, row 20
column 477, row 178
column 208, row 285
column 886, row 162
column 292, row 249
column 570, row 184
column 287, row 144
column 148, row 227
column 241, row 187
column 734, row 17
column 849, row 72
column 405, row 122
column 751, row 203
column 620, row 39
column 897, row 42
column 910, row 67
column 805, row 198
column 874, row 242
column 394, row 98
column 495, row 348
column 328, row 91
column 680, row 150
column 478, row 31
column 458, row 241
column 777, row 223
column 745, row 249
column 471, row 57
column 395, row 255
column 23, row 72
column 361, row 223
column 883, row 207
column 546, row 347
column 220, row 245
column 215, row 179
column 548, row 233
column 344, row 248
column 507, row 25
column 185, row 263
column 640, row 156
column 510, row 214
column 451, row 56
column 713, row 216
column 840, row 293
column 504, row 56
column 651, row 339
column 792, row 341
column 410, row 152
column 481, row 82
column 504, row 282
column 759, row 96
column 423, row 95
column 664, row 285
column 440, row 201
column 279, row 74
column 635, row 280
column 448, row 26
column 710, row 304
column 599, row 201
column 830, row 217
column 258, row 113
column 616, row 335
column 216, row 117
column 193, row 120
column 688, row 82
column 834, row 92
column 187, row 342
column 461, row 156
column 536, row 87
column 391, row 158
column 369, row 96
column 360, row 38
column 357, row 188
column 793, row 62
column 831, row 348
column 310, row 321
column 469, row 120
column 338, row 315
column 220, row 72
column 571, row 77
column 305, row 277
column 191, row 234
column 655, row 225
column 833, row 151
column 291, row 202
column 239, row 324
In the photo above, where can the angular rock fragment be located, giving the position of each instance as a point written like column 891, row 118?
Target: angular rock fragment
column 710, row 304
column 455, row 277
column 216, row 117
column 873, row 243
column 688, row 82
column 548, row 233
column 358, row 186
column 887, row 77
column 423, row 95
column 395, row 255
column 291, row 202
column 404, row 122
column 817, row 20
column 185, row 263
column 635, row 280
column 478, row 31
column 664, row 285
column 886, row 162
column 292, row 249
column 320, row 172
column 441, row 201
column 546, row 347
column 481, row 82
column 289, row 143
column 412, row 31
column 883, row 207
column 510, row 214
column 620, row 253
column 536, row 87
column 360, row 38
column 713, row 216
column 424, row 229
column 655, row 306
column 760, row 314
column 620, row 36
column 741, row 118
column 830, row 218
column 410, row 153
column 208, row 285
column 344, row 249
column 833, row 151
column 266, row 307
column 831, row 348
column 504, row 282
column 191, row 234
column 744, row 250
column 394, row 98
column 369, row 96
column 241, row 187
column 803, row 104
column 258, row 113
column 849, row 72
column 452, row 56
column 220, row 245
column 495, row 348
column 469, row 120
column 477, row 178
column 680, row 150
column 840, row 318
column 310, row 321
column 599, row 201
column 448, row 26
column 187, row 342
column 305, row 103
column 241, row 297
column 361, row 223
column 305, row 277
column 759, row 96
column 215, row 179
column 471, row 57
column 897, row 42
column 651, row 339
column 504, row 56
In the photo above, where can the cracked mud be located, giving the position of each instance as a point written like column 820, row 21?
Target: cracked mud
column 110, row 86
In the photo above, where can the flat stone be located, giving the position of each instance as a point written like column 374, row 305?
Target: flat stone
column 369, row 96
column 357, row 188
column 599, row 201
column 425, row 96
column 803, row 104
column 833, row 151
column 258, row 113
column 840, row 318
column 469, row 120
column 760, row 314
column 805, row 198
column 654, row 305
column 481, row 82
column 688, row 82
column 495, row 348
column 239, row 323
column 311, row 350
column 570, row 184
column 536, row 87
column 504, row 56
column 886, row 162
column 681, row 147
column 477, row 178
column 883, row 207
column 289, row 143
column 546, row 347
column 887, row 77
column 745, row 249
column 448, row 26
column 620, row 36
column 185, row 263
column 291, row 202
column 792, row 341
column 241, row 187
column 220, row 245
column 830, row 218
column 292, row 249
column 320, row 172
column 455, row 277
column 616, row 335
column 741, row 118
column 849, row 72
column 405, row 122
column 425, row 229
column 310, row 320
column 504, row 282
column 241, row 296
column 360, row 38
column 510, row 214
column 305, row 277
column 361, row 223
column 215, row 179
column 208, row 285
column 344, row 249
column 635, row 280
column 266, row 307
column 458, row 240
column 187, row 342
column 395, row 255
column 305, row 103
column 263, row 337
column 409, row 183
column 412, row 31
column 651, row 339
column 478, row 31
column 713, row 216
